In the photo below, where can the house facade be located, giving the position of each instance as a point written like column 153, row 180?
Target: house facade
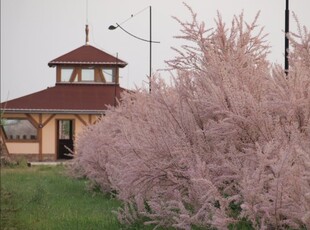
column 43, row 126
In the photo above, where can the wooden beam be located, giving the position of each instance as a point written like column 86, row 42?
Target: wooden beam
column 81, row 119
column 48, row 119
column 40, row 137
column 100, row 75
column 56, row 138
column 116, row 75
column 58, row 74
column 3, row 146
column 79, row 73
column 74, row 75
column 32, row 120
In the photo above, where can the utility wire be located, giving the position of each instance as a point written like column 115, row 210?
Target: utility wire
column 133, row 15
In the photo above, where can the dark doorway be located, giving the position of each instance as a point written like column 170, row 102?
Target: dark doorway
column 64, row 139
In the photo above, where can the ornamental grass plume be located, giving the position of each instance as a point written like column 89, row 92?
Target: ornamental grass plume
column 228, row 141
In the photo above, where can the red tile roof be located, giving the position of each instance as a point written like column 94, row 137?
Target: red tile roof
column 66, row 98
column 87, row 54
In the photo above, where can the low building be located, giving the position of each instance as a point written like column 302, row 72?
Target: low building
column 42, row 126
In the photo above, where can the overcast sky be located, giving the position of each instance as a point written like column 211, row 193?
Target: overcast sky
column 34, row 32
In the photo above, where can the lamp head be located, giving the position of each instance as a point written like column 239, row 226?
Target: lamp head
column 111, row 27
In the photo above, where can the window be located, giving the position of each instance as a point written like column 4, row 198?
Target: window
column 108, row 74
column 88, row 74
column 19, row 129
column 66, row 74
column 65, row 129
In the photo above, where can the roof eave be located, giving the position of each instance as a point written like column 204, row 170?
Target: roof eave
column 54, row 111
column 55, row 63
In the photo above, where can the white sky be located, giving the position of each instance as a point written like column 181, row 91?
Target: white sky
column 34, row 32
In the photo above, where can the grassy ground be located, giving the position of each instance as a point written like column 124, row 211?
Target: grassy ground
column 42, row 197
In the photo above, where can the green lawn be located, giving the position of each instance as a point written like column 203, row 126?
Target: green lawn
column 42, row 197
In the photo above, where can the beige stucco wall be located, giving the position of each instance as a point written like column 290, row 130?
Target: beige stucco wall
column 23, row 148
column 49, row 138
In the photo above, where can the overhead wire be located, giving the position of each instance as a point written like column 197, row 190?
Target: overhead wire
column 133, row 15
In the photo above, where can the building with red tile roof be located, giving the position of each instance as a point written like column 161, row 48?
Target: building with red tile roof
column 42, row 126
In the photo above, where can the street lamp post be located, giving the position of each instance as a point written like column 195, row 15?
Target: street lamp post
column 287, row 28
column 112, row 27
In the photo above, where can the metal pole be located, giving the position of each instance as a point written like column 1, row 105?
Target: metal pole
column 287, row 28
column 150, row 77
column 114, row 72
column 112, row 27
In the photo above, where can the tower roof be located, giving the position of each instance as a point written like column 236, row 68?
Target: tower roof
column 87, row 55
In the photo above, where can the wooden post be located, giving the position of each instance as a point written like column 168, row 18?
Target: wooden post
column 40, row 137
column 89, row 119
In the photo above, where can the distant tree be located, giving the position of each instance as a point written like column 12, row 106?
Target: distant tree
column 230, row 140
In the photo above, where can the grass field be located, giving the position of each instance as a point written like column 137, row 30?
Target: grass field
column 42, row 197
